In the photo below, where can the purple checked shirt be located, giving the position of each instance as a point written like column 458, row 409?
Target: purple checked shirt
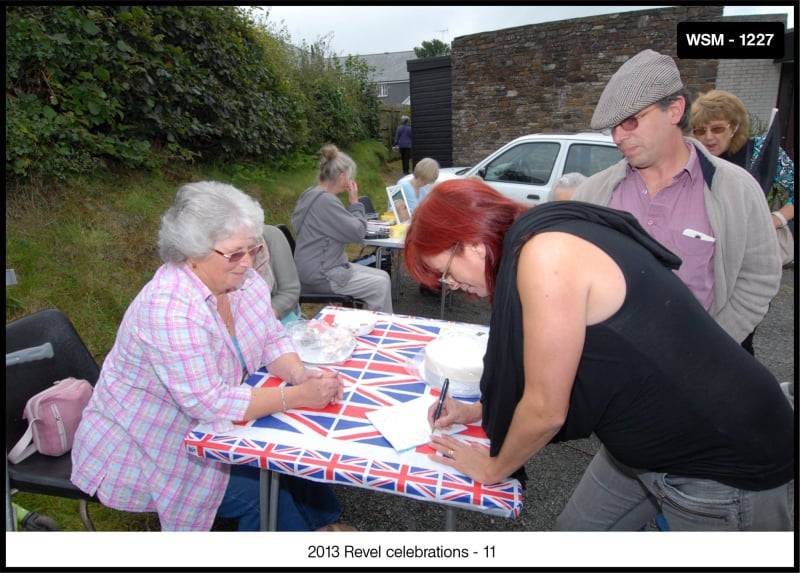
column 671, row 217
column 172, row 366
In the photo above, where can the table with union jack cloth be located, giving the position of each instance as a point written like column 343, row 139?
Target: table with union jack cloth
column 339, row 445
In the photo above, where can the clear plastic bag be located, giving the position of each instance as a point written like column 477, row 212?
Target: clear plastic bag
column 318, row 342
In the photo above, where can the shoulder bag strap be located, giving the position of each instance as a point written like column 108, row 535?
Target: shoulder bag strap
column 23, row 448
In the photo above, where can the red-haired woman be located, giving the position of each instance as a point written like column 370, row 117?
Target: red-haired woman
column 592, row 332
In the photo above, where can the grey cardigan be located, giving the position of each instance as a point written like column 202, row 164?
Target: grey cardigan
column 747, row 263
column 284, row 283
column 323, row 228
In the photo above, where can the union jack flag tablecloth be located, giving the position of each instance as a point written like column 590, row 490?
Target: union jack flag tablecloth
column 340, row 445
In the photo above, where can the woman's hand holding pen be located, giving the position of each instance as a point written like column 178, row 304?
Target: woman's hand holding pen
column 453, row 412
column 470, row 459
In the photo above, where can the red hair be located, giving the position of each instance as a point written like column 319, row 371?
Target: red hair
column 463, row 211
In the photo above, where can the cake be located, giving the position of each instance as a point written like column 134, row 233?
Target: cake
column 456, row 354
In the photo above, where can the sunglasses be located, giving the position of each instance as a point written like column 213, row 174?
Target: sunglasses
column 237, row 256
column 443, row 280
column 715, row 129
column 627, row 124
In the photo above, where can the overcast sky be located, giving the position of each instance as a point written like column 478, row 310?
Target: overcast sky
column 377, row 29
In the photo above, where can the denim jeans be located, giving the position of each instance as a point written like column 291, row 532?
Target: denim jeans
column 303, row 505
column 615, row 497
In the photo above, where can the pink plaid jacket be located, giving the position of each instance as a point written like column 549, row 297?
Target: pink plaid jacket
column 173, row 365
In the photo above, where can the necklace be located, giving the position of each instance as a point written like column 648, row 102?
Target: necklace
column 224, row 309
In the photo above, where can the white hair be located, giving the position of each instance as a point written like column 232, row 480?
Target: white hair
column 204, row 213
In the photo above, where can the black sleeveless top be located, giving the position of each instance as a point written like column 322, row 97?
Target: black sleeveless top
column 662, row 386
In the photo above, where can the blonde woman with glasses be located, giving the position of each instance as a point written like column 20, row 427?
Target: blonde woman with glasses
column 720, row 121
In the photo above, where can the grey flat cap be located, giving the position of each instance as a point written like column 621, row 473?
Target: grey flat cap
column 641, row 81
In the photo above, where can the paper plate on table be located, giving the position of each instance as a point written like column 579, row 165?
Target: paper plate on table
column 357, row 322
column 317, row 342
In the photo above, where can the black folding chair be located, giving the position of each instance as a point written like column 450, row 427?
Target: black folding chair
column 368, row 207
column 47, row 475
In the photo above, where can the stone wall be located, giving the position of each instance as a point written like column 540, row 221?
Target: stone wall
column 548, row 77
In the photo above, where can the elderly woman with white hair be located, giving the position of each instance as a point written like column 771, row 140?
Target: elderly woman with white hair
column 186, row 344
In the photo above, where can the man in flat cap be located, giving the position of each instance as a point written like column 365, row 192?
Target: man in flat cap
column 708, row 211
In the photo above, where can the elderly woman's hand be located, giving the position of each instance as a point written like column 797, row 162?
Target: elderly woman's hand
column 320, row 387
column 352, row 192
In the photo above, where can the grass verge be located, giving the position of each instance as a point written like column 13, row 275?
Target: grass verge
column 87, row 248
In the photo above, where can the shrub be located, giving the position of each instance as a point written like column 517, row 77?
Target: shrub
column 337, row 101
column 137, row 85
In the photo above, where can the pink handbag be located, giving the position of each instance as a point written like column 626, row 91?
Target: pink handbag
column 53, row 416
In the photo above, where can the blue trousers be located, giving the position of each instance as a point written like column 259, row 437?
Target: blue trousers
column 303, row 505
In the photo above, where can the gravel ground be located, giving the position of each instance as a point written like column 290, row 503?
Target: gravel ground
column 555, row 471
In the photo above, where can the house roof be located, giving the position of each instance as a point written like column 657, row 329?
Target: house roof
column 388, row 66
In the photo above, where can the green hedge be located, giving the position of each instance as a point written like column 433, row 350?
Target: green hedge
column 139, row 85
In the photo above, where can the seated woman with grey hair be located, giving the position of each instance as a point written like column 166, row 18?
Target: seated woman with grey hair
column 185, row 346
column 324, row 227
column 566, row 185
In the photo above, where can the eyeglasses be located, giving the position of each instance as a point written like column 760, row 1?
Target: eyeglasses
column 237, row 256
column 627, row 124
column 443, row 279
column 715, row 129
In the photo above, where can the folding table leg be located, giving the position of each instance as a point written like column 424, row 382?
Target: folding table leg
column 268, row 491
column 263, row 499
column 397, row 262
column 396, row 284
column 449, row 518
column 274, row 492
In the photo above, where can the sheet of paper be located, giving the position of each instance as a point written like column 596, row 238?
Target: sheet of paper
column 405, row 425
